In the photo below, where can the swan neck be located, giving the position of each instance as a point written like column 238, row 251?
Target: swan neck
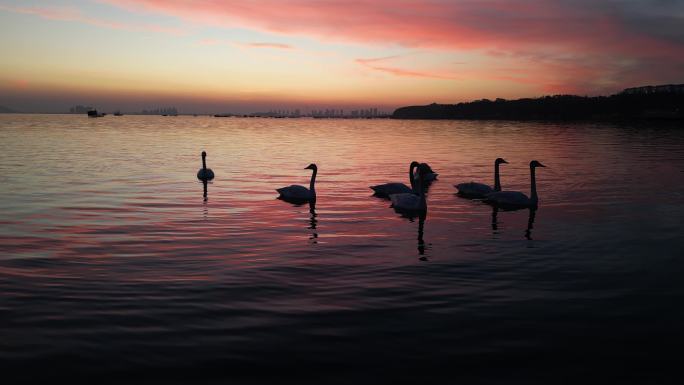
column 313, row 180
column 421, row 191
column 204, row 162
column 411, row 179
column 497, row 181
column 533, row 187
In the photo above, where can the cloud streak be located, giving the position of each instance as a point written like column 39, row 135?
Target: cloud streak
column 75, row 15
column 374, row 64
column 269, row 45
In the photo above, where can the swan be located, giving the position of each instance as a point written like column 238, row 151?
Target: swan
column 205, row 173
column 387, row 189
column 481, row 190
column 297, row 193
column 413, row 202
column 429, row 176
column 516, row 199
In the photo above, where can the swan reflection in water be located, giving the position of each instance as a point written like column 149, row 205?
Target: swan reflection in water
column 530, row 223
column 530, row 220
column 421, row 241
column 313, row 222
column 422, row 215
column 204, row 182
column 412, row 205
column 313, row 217
column 495, row 220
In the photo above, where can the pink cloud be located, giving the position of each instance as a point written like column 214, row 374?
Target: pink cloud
column 600, row 36
column 489, row 24
column 211, row 42
column 373, row 64
column 558, row 45
column 20, row 84
column 73, row 14
column 269, row 45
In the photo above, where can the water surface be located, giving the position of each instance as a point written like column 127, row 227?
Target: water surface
column 114, row 267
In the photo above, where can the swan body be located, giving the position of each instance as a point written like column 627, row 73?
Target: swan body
column 516, row 199
column 387, row 189
column 296, row 193
column 406, row 201
column 474, row 189
column 481, row 190
column 509, row 198
column 204, row 173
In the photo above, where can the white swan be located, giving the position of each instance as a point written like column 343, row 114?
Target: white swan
column 429, row 174
column 387, row 189
column 413, row 202
column 205, row 173
column 516, row 199
column 481, row 190
column 297, row 193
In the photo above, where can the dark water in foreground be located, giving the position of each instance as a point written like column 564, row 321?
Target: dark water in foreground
column 114, row 269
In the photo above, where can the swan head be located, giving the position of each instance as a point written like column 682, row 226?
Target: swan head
column 414, row 164
column 426, row 168
column 500, row 160
column 204, row 154
column 312, row 166
column 423, row 168
column 534, row 164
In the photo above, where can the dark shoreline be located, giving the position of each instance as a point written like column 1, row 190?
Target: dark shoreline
column 660, row 103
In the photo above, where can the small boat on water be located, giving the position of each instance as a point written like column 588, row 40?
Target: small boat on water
column 95, row 114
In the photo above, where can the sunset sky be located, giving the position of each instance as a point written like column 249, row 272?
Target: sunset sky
column 246, row 56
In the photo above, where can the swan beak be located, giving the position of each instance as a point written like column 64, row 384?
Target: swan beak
column 540, row 165
column 504, row 161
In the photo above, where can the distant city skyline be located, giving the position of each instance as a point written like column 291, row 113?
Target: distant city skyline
column 243, row 57
column 172, row 110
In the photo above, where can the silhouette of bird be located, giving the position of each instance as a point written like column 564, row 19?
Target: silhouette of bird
column 297, row 193
column 481, row 190
column 414, row 201
column 204, row 173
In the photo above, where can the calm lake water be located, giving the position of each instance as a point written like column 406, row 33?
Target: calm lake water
column 113, row 267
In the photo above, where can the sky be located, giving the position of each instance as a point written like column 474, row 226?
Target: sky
column 210, row 56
